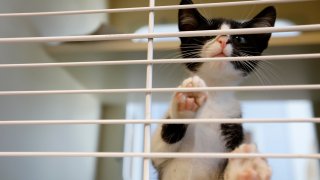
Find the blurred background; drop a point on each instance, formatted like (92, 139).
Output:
(271, 138)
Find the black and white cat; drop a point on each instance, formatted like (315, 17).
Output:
(213, 137)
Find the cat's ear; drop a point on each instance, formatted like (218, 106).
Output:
(266, 18)
(189, 19)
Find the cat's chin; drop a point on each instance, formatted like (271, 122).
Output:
(216, 55)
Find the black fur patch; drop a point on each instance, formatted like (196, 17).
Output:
(172, 133)
(233, 135)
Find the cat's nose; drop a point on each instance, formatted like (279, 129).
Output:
(222, 40)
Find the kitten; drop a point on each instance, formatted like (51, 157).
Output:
(213, 137)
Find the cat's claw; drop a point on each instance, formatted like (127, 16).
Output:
(186, 104)
(247, 169)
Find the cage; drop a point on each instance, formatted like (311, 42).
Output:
(85, 83)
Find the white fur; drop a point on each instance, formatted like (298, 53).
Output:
(202, 137)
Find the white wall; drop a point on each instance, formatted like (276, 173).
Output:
(42, 138)
(59, 25)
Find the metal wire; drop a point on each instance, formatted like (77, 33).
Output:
(159, 90)
(157, 121)
(315, 56)
(164, 61)
(148, 101)
(312, 27)
(157, 155)
(157, 8)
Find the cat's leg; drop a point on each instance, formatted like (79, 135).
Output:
(247, 169)
(184, 105)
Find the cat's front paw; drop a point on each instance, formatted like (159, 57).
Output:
(186, 104)
(247, 169)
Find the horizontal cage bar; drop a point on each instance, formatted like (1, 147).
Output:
(157, 8)
(157, 155)
(158, 90)
(313, 27)
(165, 61)
(158, 121)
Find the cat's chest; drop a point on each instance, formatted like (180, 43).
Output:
(208, 137)
(220, 107)
(203, 138)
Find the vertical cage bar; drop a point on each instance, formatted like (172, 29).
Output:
(147, 129)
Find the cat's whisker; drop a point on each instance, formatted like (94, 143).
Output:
(264, 73)
(204, 11)
(173, 54)
(196, 40)
(263, 63)
(190, 50)
(168, 70)
(195, 44)
(248, 52)
(270, 71)
(250, 12)
(253, 70)
(263, 78)
(171, 70)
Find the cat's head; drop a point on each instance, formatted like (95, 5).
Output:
(223, 73)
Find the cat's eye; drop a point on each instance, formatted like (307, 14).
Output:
(240, 39)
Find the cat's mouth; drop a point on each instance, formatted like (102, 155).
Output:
(220, 55)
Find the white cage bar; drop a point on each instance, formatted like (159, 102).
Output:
(312, 27)
(164, 61)
(159, 121)
(159, 90)
(154, 8)
(148, 104)
(157, 155)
